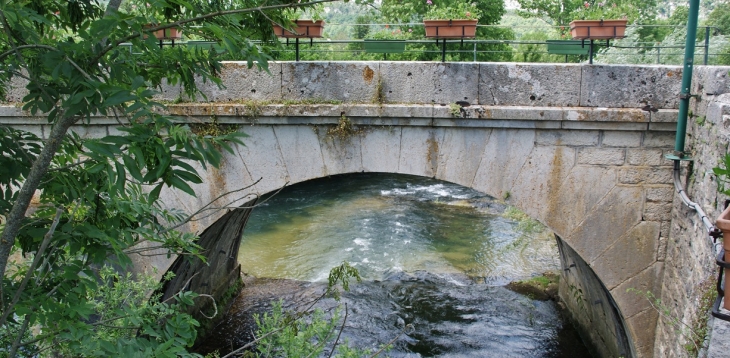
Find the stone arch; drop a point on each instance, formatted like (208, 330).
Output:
(565, 179)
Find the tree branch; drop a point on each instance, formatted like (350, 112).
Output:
(36, 260)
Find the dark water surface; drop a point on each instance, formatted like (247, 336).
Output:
(434, 258)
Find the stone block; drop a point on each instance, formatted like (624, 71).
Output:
(595, 114)
(601, 156)
(606, 126)
(169, 92)
(271, 167)
(458, 163)
(645, 175)
(713, 80)
(241, 83)
(572, 138)
(614, 215)
(301, 151)
(420, 150)
(629, 295)
(643, 327)
(430, 82)
(659, 139)
(632, 253)
(630, 86)
(35, 129)
(529, 84)
(654, 211)
(88, 131)
(340, 155)
(664, 193)
(16, 90)
(666, 228)
(381, 150)
(341, 81)
(497, 172)
(403, 110)
(621, 139)
(665, 116)
(576, 196)
(537, 188)
(663, 127)
(646, 157)
(514, 113)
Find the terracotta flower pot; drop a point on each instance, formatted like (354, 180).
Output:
(723, 223)
(304, 28)
(450, 29)
(172, 33)
(597, 29)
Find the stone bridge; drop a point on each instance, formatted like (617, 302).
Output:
(580, 148)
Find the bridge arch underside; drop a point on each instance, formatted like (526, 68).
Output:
(606, 193)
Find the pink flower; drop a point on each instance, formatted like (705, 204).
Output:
(586, 4)
(429, 2)
(410, 30)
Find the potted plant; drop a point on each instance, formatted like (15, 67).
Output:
(172, 33)
(302, 24)
(386, 41)
(599, 21)
(457, 21)
(597, 29)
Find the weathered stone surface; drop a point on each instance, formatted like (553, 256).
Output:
(659, 139)
(645, 175)
(610, 219)
(536, 189)
(712, 80)
(644, 157)
(578, 194)
(604, 126)
(270, 167)
(630, 293)
(529, 85)
(241, 82)
(420, 151)
(497, 172)
(624, 115)
(343, 81)
(301, 152)
(88, 131)
(515, 113)
(381, 150)
(457, 163)
(621, 139)
(630, 86)
(600, 156)
(340, 155)
(429, 82)
(567, 138)
(663, 193)
(631, 254)
(664, 116)
(642, 329)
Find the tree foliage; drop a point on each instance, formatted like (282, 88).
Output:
(562, 12)
(95, 200)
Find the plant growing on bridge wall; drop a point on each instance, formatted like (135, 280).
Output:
(344, 130)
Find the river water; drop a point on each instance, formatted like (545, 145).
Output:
(434, 258)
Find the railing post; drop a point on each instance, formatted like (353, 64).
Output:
(707, 44)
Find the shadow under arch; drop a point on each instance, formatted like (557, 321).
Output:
(602, 323)
(591, 306)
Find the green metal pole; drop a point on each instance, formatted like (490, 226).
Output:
(684, 95)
